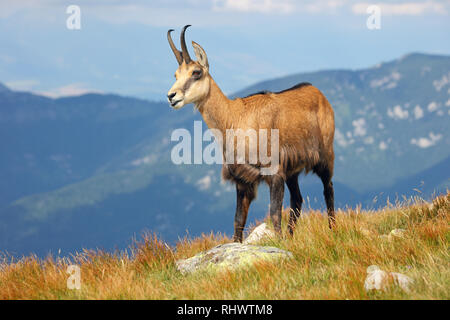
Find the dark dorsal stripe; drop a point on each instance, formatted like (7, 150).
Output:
(297, 86)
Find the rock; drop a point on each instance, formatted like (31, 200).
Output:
(259, 233)
(396, 233)
(378, 279)
(402, 281)
(230, 256)
(372, 268)
(399, 233)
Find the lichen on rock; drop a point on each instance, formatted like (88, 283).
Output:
(230, 256)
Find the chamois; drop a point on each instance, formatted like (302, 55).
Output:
(304, 119)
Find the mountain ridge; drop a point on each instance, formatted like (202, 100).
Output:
(70, 157)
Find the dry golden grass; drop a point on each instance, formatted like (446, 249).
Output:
(326, 265)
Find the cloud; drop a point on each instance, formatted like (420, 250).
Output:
(204, 183)
(278, 6)
(260, 6)
(322, 6)
(360, 127)
(427, 142)
(404, 8)
(74, 89)
(150, 159)
(9, 8)
(204, 12)
(327, 6)
(154, 13)
(397, 113)
(22, 85)
(432, 106)
(340, 138)
(159, 16)
(165, 13)
(418, 112)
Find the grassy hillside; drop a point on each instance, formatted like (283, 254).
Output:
(326, 264)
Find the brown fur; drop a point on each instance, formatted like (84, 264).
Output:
(303, 116)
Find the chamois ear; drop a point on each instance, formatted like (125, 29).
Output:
(201, 55)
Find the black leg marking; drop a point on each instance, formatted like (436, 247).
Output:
(328, 192)
(296, 201)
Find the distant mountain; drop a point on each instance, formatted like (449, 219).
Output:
(427, 182)
(3, 88)
(47, 143)
(95, 170)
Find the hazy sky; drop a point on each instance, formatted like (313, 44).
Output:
(122, 47)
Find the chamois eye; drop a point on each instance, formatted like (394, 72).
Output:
(196, 73)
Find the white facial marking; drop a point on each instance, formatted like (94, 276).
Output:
(186, 88)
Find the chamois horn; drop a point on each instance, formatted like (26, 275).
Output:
(176, 52)
(185, 52)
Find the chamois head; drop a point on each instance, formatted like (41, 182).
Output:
(192, 77)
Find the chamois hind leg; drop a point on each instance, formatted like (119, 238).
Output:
(325, 174)
(245, 193)
(296, 201)
(276, 201)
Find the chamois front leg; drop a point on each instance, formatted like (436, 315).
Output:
(244, 196)
(276, 201)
